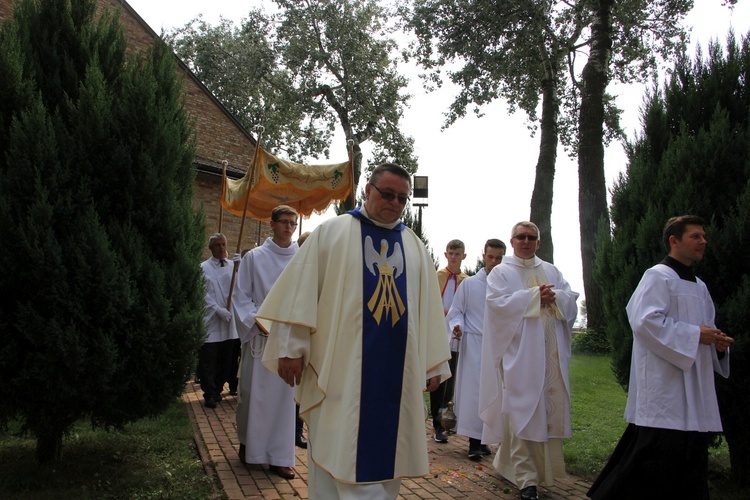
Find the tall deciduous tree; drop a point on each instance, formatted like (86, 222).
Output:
(626, 38)
(514, 50)
(242, 67)
(693, 156)
(524, 51)
(333, 62)
(99, 242)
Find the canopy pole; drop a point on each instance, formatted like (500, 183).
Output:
(260, 129)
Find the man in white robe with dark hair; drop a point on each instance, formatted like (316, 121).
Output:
(265, 412)
(524, 388)
(672, 407)
(465, 320)
(358, 343)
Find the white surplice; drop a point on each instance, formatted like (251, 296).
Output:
(467, 311)
(671, 373)
(218, 279)
(266, 411)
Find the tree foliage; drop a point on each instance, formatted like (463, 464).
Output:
(329, 62)
(527, 53)
(242, 67)
(693, 156)
(625, 39)
(100, 244)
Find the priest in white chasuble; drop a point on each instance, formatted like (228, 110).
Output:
(356, 324)
(524, 389)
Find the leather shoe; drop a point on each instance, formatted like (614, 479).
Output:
(285, 472)
(210, 403)
(485, 450)
(440, 437)
(301, 441)
(529, 493)
(241, 453)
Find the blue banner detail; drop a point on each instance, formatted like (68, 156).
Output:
(384, 334)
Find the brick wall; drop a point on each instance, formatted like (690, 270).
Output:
(219, 136)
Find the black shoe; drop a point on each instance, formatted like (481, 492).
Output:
(485, 450)
(210, 403)
(218, 397)
(301, 441)
(285, 472)
(475, 453)
(440, 437)
(241, 453)
(529, 493)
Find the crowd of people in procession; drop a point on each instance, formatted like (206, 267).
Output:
(355, 325)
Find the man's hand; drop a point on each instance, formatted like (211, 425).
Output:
(433, 383)
(290, 369)
(224, 314)
(715, 336)
(546, 294)
(457, 331)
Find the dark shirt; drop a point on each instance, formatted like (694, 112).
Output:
(684, 272)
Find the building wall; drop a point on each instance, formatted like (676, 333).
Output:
(219, 136)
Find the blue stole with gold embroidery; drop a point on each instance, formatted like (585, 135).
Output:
(384, 333)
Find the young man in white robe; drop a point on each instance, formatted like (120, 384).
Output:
(215, 356)
(672, 406)
(358, 344)
(524, 391)
(266, 410)
(465, 319)
(449, 278)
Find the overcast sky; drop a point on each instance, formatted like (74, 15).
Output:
(480, 170)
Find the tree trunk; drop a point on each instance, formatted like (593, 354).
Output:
(49, 447)
(541, 198)
(592, 191)
(351, 200)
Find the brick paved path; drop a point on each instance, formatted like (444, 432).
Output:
(452, 474)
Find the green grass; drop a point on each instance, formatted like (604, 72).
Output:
(597, 407)
(152, 458)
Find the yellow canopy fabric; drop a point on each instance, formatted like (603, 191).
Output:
(306, 188)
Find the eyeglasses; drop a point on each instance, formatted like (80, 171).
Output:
(286, 223)
(391, 196)
(522, 237)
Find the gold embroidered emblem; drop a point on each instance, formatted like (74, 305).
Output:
(385, 299)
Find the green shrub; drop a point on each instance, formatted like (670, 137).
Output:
(590, 342)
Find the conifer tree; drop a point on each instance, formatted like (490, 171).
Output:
(693, 157)
(100, 246)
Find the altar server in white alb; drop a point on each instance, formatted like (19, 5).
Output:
(672, 406)
(215, 356)
(465, 320)
(356, 323)
(265, 412)
(524, 389)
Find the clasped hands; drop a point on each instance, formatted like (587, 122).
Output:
(546, 294)
(715, 336)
